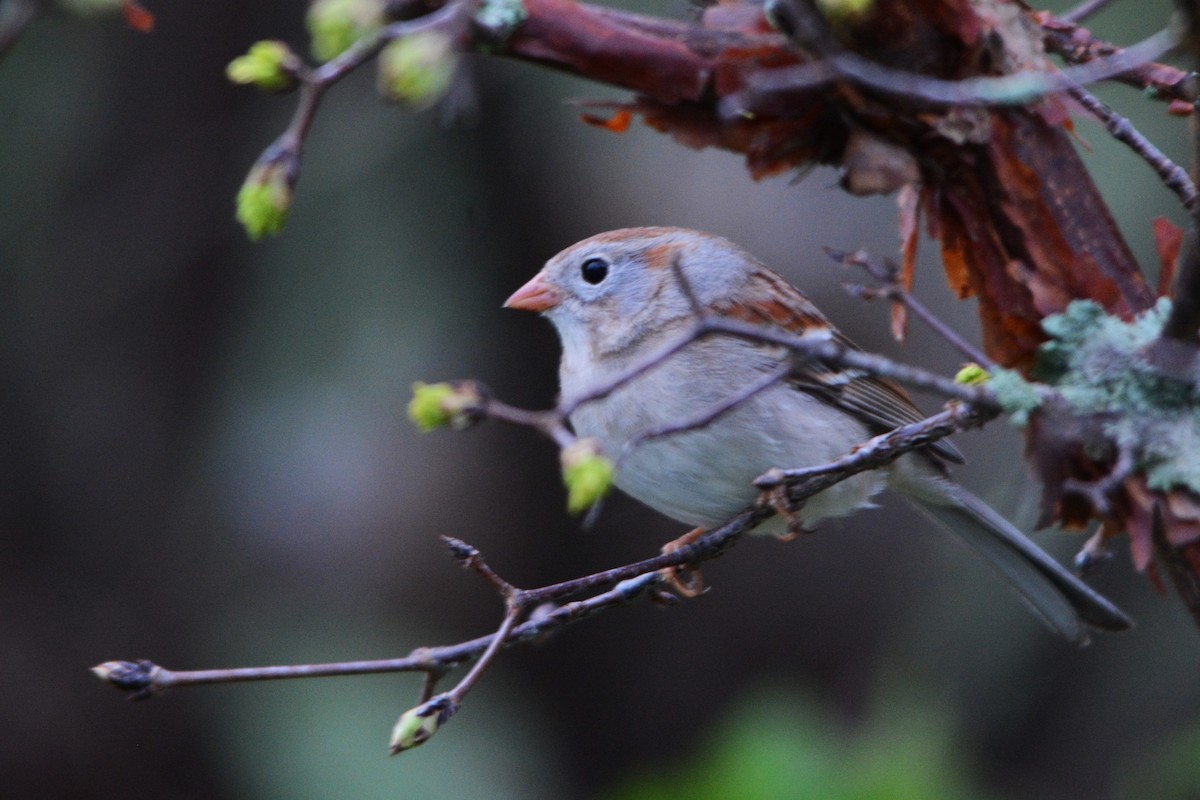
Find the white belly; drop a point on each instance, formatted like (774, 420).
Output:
(704, 477)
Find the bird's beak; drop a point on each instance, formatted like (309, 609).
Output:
(537, 295)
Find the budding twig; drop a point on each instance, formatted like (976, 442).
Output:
(464, 403)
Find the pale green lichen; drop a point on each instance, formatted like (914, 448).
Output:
(1018, 397)
(1097, 362)
(500, 18)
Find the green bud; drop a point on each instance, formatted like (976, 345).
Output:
(972, 375)
(334, 25)
(418, 725)
(435, 405)
(269, 65)
(587, 474)
(839, 10)
(265, 198)
(417, 70)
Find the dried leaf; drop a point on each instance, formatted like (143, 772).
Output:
(618, 122)
(1168, 238)
(137, 17)
(909, 202)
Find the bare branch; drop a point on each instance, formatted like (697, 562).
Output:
(888, 273)
(1101, 491)
(1082, 11)
(1076, 45)
(710, 414)
(877, 452)
(1121, 129)
(769, 87)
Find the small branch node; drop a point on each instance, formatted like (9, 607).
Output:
(470, 558)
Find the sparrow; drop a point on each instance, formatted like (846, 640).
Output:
(619, 298)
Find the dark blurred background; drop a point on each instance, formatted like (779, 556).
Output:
(205, 461)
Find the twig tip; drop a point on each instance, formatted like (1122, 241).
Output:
(461, 551)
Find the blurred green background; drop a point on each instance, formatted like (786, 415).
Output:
(205, 462)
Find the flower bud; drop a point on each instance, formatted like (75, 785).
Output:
(587, 473)
(334, 25)
(971, 375)
(841, 10)
(265, 198)
(269, 65)
(418, 725)
(417, 70)
(434, 405)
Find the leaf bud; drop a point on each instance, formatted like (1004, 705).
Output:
(270, 65)
(418, 725)
(587, 474)
(435, 405)
(972, 375)
(417, 70)
(334, 25)
(265, 199)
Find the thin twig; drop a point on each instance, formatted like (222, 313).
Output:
(1121, 129)
(837, 353)
(144, 678)
(604, 388)
(1082, 11)
(1099, 491)
(469, 558)
(499, 639)
(454, 17)
(874, 453)
(1005, 90)
(708, 415)
(887, 273)
(551, 423)
(1076, 45)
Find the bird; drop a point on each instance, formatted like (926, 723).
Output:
(619, 299)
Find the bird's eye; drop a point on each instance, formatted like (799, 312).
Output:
(594, 270)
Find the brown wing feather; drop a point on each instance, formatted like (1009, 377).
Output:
(881, 404)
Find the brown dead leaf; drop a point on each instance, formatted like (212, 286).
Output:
(618, 122)
(1168, 238)
(137, 17)
(909, 203)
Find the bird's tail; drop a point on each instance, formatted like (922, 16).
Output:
(1066, 604)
